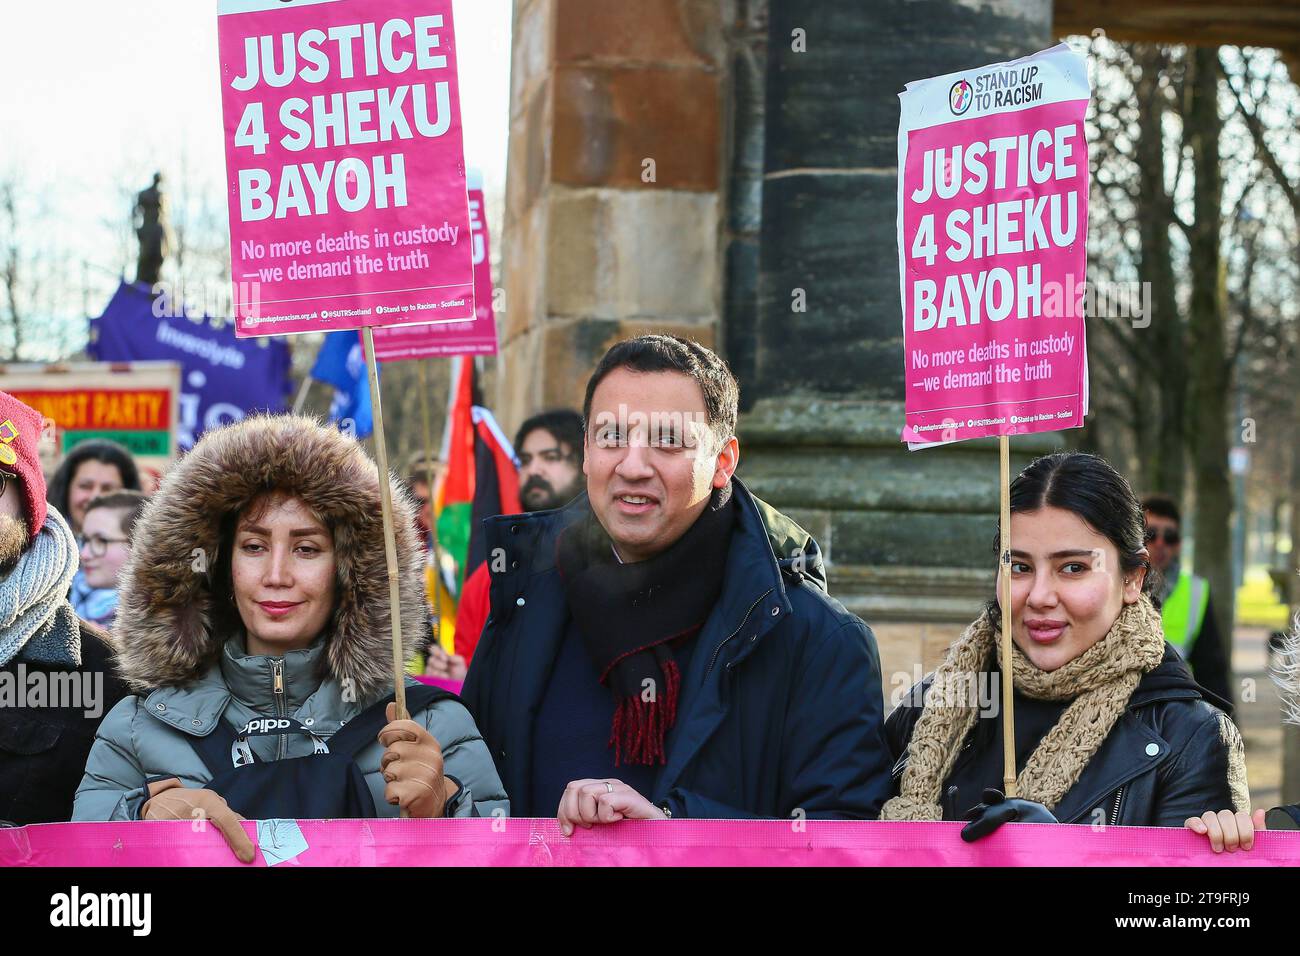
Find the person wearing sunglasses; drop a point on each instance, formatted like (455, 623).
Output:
(105, 546)
(1186, 608)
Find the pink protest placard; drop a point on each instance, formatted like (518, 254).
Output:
(665, 843)
(478, 337)
(345, 164)
(992, 249)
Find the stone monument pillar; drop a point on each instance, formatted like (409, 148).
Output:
(910, 535)
(613, 188)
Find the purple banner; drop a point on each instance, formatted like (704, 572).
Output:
(222, 379)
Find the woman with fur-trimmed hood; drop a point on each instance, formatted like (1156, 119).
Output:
(256, 600)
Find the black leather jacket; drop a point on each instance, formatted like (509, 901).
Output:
(1173, 754)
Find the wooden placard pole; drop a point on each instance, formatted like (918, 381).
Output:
(433, 516)
(301, 398)
(390, 540)
(1008, 716)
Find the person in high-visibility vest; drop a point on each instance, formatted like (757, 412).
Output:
(1185, 606)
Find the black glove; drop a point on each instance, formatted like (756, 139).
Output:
(1283, 818)
(997, 809)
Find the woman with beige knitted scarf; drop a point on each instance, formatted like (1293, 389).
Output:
(1110, 727)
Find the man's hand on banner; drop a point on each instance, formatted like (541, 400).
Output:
(171, 800)
(997, 809)
(587, 803)
(447, 666)
(412, 768)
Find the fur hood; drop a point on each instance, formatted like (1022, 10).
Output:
(165, 618)
(1285, 672)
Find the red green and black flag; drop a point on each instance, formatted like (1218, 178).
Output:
(481, 480)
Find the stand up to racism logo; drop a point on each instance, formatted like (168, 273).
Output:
(960, 97)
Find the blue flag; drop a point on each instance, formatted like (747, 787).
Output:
(341, 363)
(222, 378)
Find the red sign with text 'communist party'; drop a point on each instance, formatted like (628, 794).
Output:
(345, 164)
(992, 249)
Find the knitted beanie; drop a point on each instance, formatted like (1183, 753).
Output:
(20, 436)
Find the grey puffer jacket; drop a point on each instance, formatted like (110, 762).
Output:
(145, 738)
(180, 639)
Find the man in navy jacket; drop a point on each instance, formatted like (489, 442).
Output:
(664, 645)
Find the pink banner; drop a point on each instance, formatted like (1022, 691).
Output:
(676, 843)
(993, 229)
(345, 164)
(455, 686)
(457, 338)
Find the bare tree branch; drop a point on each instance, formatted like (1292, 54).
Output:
(11, 268)
(1256, 128)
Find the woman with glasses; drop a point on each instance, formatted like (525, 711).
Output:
(91, 470)
(1110, 727)
(105, 546)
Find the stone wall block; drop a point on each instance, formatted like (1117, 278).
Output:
(532, 52)
(665, 248)
(525, 277)
(609, 121)
(660, 32)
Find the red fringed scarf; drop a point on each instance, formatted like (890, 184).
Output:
(630, 615)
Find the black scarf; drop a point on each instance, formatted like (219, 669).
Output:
(628, 613)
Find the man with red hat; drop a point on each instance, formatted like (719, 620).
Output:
(56, 676)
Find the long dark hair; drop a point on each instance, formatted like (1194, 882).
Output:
(97, 449)
(1089, 487)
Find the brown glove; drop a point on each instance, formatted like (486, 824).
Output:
(412, 767)
(171, 800)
